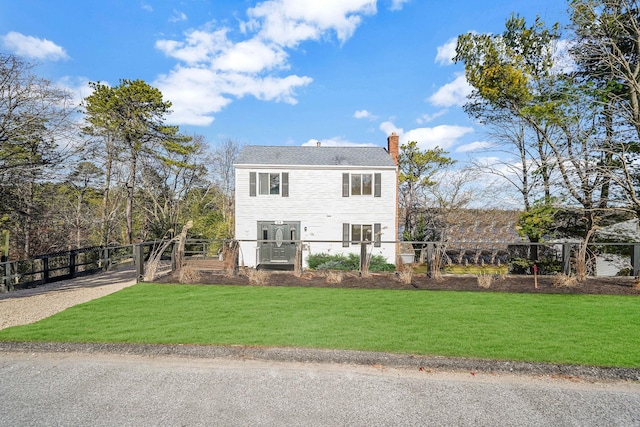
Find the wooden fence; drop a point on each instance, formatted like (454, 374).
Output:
(75, 263)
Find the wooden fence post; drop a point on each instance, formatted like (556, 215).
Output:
(566, 258)
(635, 259)
(429, 260)
(174, 258)
(9, 276)
(138, 254)
(105, 258)
(6, 269)
(72, 264)
(45, 269)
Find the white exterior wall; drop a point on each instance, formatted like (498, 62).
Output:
(315, 199)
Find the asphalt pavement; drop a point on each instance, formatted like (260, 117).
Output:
(107, 389)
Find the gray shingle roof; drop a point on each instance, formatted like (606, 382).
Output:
(314, 156)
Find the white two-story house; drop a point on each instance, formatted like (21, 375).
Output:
(329, 198)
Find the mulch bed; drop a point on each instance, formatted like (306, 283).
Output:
(509, 283)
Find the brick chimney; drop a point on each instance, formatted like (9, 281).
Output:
(392, 149)
(392, 146)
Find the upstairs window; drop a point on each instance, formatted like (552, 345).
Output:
(269, 184)
(361, 184)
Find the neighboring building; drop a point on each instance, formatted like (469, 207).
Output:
(330, 198)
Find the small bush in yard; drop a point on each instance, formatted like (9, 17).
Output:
(350, 262)
(333, 265)
(379, 263)
(318, 261)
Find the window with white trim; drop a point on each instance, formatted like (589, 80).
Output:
(361, 233)
(269, 184)
(358, 233)
(361, 184)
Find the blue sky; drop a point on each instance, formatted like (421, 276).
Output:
(278, 72)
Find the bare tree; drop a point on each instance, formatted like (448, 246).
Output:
(165, 188)
(37, 132)
(31, 108)
(222, 171)
(607, 53)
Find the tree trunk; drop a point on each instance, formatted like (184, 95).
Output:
(28, 220)
(78, 220)
(131, 182)
(608, 155)
(534, 249)
(104, 226)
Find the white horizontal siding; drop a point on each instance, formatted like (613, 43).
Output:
(315, 199)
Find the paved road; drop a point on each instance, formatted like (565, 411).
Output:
(133, 390)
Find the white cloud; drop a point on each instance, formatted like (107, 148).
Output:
(397, 4)
(389, 127)
(453, 93)
(215, 69)
(199, 46)
(146, 6)
(336, 141)
(474, 146)
(251, 56)
(289, 22)
(33, 47)
(197, 93)
(266, 89)
(426, 118)
(178, 16)
(447, 52)
(194, 94)
(364, 114)
(443, 136)
(563, 62)
(78, 87)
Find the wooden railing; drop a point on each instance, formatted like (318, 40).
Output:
(61, 266)
(32, 272)
(70, 264)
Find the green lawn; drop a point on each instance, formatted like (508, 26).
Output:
(581, 329)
